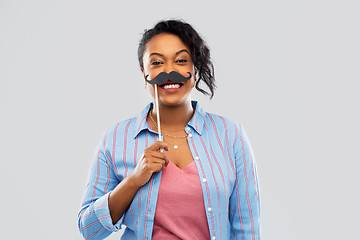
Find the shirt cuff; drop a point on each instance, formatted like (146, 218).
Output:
(102, 212)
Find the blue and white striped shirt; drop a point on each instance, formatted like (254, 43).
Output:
(226, 167)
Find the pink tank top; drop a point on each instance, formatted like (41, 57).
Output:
(180, 210)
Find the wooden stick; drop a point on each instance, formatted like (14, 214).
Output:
(158, 113)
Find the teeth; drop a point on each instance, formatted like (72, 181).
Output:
(168, 86)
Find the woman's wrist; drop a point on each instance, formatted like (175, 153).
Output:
(132, 181)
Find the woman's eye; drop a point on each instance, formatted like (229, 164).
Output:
(155, 63)
(182, 61)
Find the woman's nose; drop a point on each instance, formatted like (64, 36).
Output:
(169, 68)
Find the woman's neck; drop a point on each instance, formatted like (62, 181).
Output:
(174, 117)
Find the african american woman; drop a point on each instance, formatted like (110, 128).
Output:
(199, 182)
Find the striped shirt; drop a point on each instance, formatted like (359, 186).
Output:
(225, 163)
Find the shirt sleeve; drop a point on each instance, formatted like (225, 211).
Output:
(244, 200)
(94, 220)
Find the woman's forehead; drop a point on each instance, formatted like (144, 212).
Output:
(165, 44)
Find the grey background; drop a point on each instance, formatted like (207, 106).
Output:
(287, 70)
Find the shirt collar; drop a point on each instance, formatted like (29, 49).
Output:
(197, 121)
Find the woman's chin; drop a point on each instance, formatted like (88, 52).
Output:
(173, 100)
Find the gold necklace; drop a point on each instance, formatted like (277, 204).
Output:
(175, 143)
(175, 146)
(155, 125)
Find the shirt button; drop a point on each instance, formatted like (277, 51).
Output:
(188, 128)
(197, 158)
(213, 238)
(209, 209)
(204, 179)
(190, 135)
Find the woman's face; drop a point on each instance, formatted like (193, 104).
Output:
(165, 53)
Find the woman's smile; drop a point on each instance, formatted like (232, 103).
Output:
(170, 87)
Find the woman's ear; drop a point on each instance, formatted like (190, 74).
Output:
(145, 83)
(142, 70)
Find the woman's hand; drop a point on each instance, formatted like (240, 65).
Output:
(152, 160)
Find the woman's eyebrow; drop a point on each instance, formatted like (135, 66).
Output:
(182, 50)
(177, 53)
(155, 53)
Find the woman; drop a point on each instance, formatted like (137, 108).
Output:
(200, 182)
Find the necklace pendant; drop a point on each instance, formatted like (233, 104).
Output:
(176, 146)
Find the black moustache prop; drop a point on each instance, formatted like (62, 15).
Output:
(163, 77)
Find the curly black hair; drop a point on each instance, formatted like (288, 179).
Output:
(200, 53)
